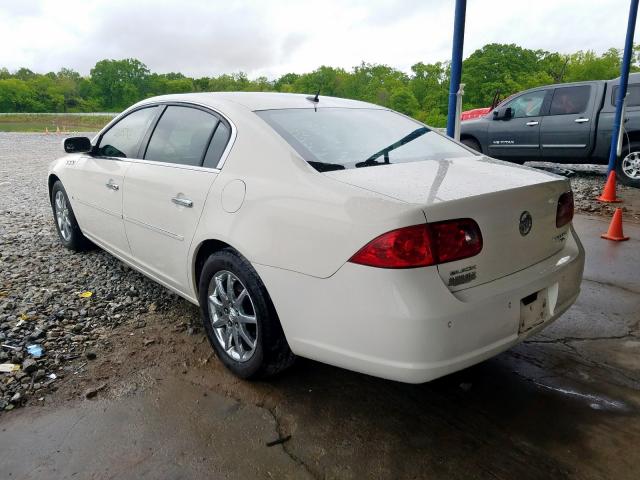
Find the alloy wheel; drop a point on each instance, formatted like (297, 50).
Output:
(631, 165)
(232, 316)
(62, 215)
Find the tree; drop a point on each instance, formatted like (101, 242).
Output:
(120, 82)
(422, 93)
(403, 100)
(17, 96)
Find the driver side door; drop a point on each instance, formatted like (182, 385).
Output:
(99, 180)
(518, 138)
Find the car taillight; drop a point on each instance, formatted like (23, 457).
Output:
(456, 239)
(564, 214)
(422, 245)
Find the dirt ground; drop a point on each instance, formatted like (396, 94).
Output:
(565, 404)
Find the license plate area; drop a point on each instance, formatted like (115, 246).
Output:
(534, 310)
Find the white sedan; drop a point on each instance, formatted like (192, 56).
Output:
(326, 228)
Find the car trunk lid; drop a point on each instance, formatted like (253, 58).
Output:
(514, 206)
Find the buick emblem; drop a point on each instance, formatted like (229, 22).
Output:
(526, 222)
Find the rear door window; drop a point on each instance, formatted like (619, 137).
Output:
(123, 139)
(570, 100)
(633, 95)
(217, 146)
(181, 136)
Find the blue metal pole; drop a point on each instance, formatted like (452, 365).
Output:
(456, 63)
(624, 80)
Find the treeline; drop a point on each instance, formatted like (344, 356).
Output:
(112, 85)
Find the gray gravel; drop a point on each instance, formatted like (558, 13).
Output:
(41, 282)
(40, 301)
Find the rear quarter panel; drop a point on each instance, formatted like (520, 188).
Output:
(293, 217)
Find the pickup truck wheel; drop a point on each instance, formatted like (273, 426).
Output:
(471, 143)
(628, 166)
(239, 318)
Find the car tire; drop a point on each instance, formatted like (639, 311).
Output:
(225, 320)
(628, 165)
(65, 220)
(471, 143)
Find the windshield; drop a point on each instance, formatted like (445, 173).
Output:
(338, 138)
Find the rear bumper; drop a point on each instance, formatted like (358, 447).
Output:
(406, 325)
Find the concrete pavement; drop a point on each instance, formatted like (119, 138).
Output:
(564, 405)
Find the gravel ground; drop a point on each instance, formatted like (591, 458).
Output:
(44, 299)
(42, 284)
(587, 182)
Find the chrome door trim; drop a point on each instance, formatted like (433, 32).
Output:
(140, 223)
(127, 259)
(564, 145)
(93, 205)
(513, 146)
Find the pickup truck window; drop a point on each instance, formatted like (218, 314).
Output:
(527, 105)
(570, 100)
(633, 95)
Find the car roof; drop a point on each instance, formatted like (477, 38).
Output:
(260, 100)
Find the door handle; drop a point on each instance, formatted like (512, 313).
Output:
(532, 123)
(581, 120)
(112, 185)
(183, 202)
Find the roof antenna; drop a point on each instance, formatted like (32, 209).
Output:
(315, 98)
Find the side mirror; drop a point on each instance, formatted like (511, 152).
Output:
(77, 145)
(503, 113)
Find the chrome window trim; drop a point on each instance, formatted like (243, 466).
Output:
(223, 158)
(160, 164)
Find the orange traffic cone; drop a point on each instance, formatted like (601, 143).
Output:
(609, 193)
(615, 232)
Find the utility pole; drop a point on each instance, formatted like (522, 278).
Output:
(618, 121)
(456, 65)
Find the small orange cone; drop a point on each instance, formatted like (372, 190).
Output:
(609, 193)
(615, 232)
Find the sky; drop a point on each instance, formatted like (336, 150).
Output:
(273, 37)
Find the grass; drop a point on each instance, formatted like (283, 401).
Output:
(41, 122)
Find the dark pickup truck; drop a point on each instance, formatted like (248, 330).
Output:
(565, 123)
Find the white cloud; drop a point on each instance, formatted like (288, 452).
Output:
(199, 37)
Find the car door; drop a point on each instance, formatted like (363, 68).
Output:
(98, 180)
(518, 138)
(166, 191)
(565, 132)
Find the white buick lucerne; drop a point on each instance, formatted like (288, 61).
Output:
(326, 228)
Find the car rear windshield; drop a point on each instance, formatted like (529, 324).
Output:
(339, 138)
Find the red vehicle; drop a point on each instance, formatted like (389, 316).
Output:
(475, 113)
